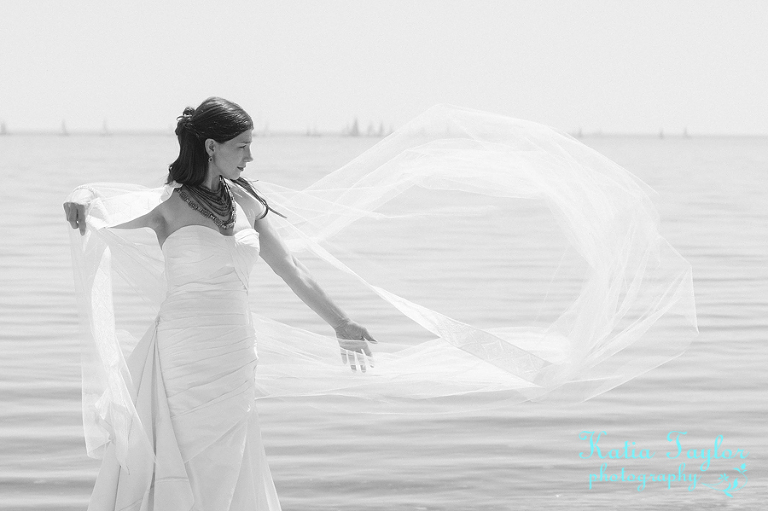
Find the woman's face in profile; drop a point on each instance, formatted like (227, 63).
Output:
(231, 157)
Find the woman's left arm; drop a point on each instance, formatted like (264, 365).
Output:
(350, 335)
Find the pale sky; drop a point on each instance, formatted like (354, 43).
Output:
(612, 65)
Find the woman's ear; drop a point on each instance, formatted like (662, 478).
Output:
(210, 145)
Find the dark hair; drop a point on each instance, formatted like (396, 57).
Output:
(217, 119)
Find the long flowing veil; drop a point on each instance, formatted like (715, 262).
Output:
(569, 239)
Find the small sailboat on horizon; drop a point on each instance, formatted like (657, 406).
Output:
(354, 131)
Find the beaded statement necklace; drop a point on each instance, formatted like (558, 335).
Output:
(217, 205)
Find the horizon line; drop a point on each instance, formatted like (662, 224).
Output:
(316, 134)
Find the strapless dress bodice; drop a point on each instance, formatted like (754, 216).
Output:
(207, 274)
(196, 255)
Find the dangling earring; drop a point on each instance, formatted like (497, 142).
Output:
(210, 158)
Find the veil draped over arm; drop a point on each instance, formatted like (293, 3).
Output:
(618, 303)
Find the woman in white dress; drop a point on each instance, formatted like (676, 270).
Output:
(192, 375)
(176, 424)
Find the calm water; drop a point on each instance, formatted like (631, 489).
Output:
(713, 203)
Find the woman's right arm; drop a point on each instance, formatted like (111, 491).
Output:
(75, 213)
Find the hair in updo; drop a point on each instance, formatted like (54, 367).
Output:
(215, 118)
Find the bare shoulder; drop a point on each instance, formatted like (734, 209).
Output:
(172, 214)
(169, 208)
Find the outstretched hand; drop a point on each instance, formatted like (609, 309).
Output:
(353, 340)
(75, 213)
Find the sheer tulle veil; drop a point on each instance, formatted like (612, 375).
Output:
(569, 238)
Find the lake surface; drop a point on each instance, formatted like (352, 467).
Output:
(713, 204)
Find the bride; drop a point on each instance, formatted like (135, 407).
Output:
(193, 373)
(598, 295)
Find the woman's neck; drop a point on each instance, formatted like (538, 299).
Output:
(212, 181)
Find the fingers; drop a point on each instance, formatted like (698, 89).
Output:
(368, 337)
(351, 358)
(69, 213)
(360, 357)
(361, 360)
(75, 214)
(355, 351)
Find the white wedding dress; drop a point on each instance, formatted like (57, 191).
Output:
(610, 299)
(193, 378)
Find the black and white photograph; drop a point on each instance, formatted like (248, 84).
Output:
(337, 255)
